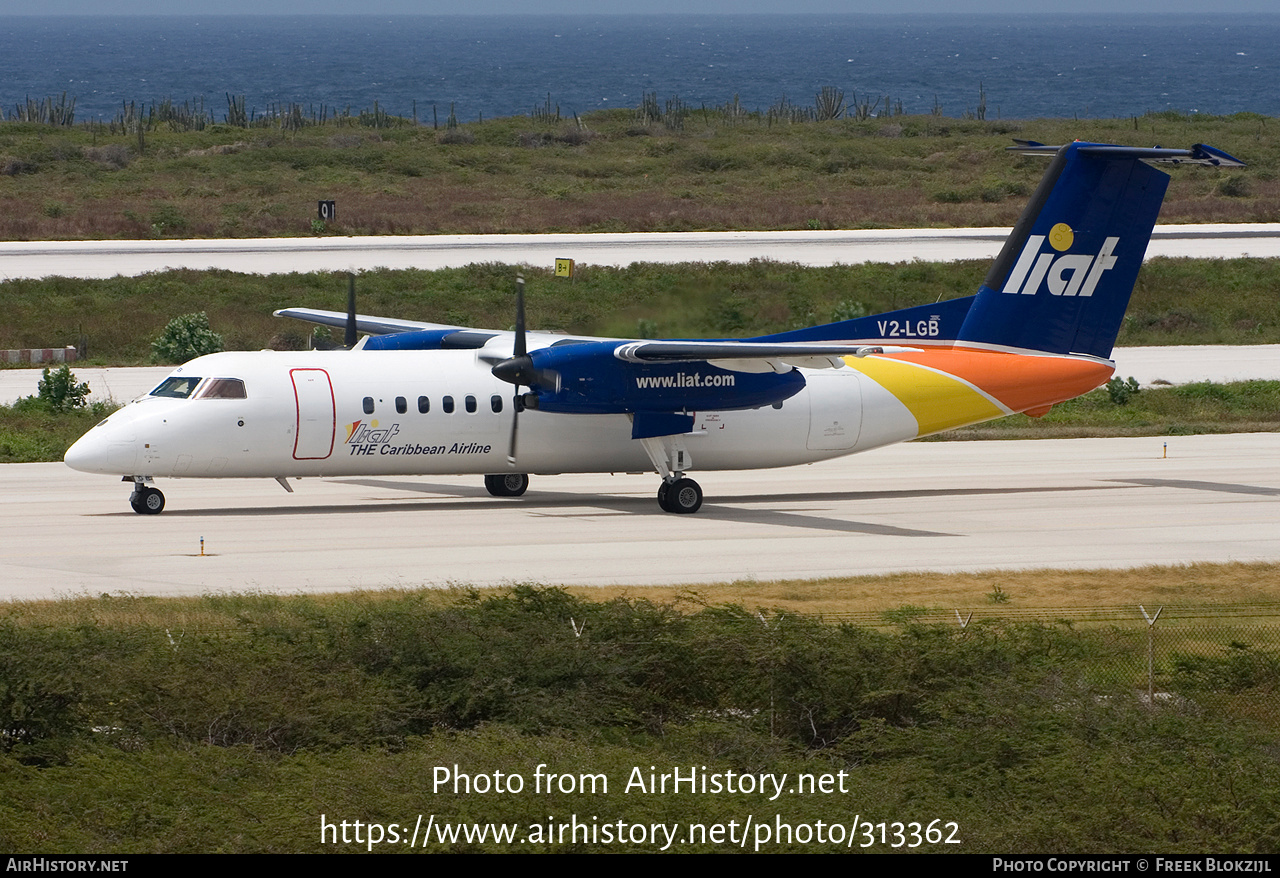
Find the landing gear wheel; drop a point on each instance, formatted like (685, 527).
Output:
(664, 491)
(146, 500)
(683, 496)
(506, 484)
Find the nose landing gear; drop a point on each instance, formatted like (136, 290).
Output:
(145, 499)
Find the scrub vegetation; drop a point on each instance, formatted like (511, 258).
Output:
(43, 426)
(32, 434)
(232, 723)
(609, 171)
(1175, 301)
(1238, 407)
(185, 337)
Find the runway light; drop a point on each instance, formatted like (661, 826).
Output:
(202, 547)
(1166, 451)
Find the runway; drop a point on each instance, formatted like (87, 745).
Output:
(922, 506)
(95, 259)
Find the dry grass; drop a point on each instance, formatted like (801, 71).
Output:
(501, 177)
(1030, 589)
(1041, 430)
(1024, 591)
(204, 613)
(1193, 584)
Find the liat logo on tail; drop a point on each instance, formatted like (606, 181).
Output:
(1070, 274)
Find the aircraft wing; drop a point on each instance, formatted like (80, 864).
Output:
(747, 356)
(364, 323)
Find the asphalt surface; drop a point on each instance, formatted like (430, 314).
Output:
(1081, 503)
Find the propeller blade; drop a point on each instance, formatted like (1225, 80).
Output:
(518, 369)
(520, 349)
(515, 425)
(515, 369)
(349, 340)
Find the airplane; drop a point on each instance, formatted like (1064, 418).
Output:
(414, 398)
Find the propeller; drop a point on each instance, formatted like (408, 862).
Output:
(519, 370)
(349, 339)
(350, 333)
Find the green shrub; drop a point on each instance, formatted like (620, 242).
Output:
(1235, 186)
(185, 338)
(849, 309)
(1121, 391)
(59, 391)
(167, 218)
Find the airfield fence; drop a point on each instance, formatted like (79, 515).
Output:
(1216, 656)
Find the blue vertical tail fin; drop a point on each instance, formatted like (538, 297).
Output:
(1062, 282)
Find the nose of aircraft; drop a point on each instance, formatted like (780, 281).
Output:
(103, 450)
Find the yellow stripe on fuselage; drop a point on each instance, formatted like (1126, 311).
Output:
(936, 400)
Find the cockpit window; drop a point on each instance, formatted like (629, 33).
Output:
(176, 386)
(222, 388)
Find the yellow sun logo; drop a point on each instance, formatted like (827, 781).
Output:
(1061, 236)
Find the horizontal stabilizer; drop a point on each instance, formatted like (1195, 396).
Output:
(1200, 154)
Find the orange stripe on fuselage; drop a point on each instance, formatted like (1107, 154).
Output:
(952, 387)
(1019, 381)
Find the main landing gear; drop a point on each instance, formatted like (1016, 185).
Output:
(506, 484)
(677, 493)
(145, 499)
(682, 496)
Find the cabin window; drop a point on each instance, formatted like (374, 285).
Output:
(495, 403)
(222, 388)
(176, 387)
(424, 405)
(368, 405)
(447, 405)
(471, 405)
(402, 405)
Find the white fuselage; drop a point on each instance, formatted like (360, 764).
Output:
(307, 414)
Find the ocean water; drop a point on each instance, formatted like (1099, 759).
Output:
(1028, 66)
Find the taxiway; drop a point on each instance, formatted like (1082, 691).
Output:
(95, 259)
(921, 506)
